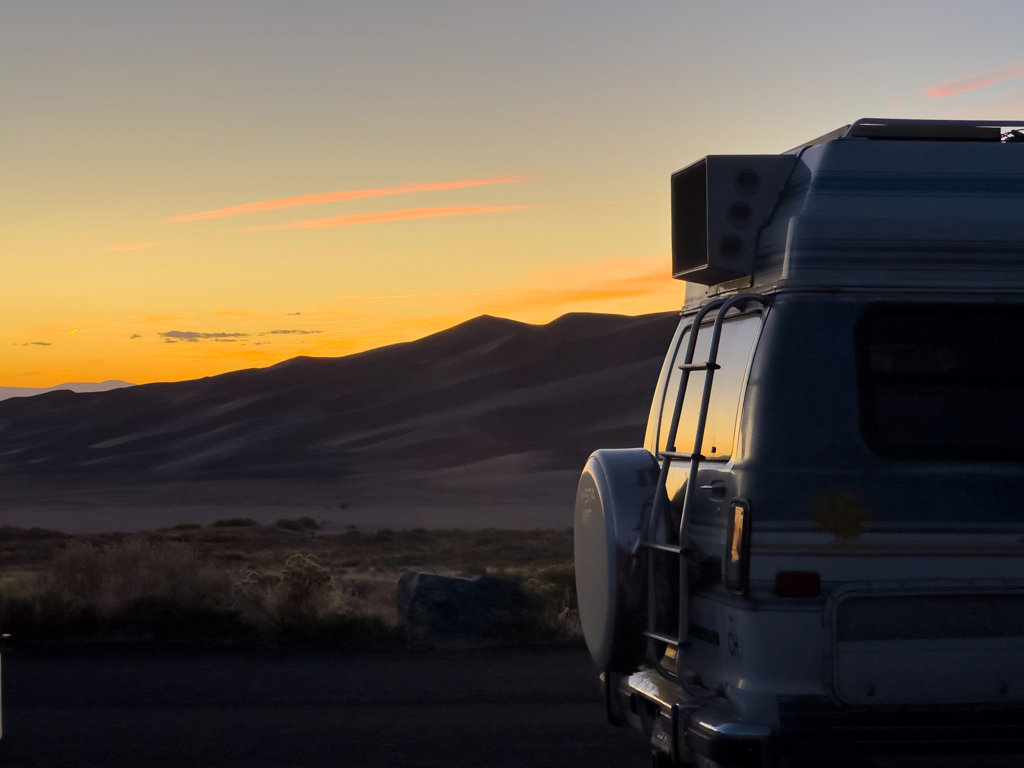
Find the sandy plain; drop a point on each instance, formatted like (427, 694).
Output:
(499, 493)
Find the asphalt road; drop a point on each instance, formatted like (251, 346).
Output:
(502, 707)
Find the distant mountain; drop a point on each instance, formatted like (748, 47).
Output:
(71, 386)
(486, 388)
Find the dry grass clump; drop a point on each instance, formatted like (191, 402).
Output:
(111, 577)
(131, 590)
(239, 582)
(300, 594)
(554, 588)
(305, 602)
(234, 522)
(299, 525)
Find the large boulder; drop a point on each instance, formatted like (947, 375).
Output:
(454, 606)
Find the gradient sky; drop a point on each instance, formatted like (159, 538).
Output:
(198, 187)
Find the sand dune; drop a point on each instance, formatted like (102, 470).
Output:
(512, 399)
(73, 386)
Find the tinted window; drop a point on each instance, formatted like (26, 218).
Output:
(733, 355)
(654, 417)
(942, 382)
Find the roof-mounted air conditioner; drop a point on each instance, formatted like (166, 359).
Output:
(718, 206)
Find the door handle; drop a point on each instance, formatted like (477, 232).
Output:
(716, 490)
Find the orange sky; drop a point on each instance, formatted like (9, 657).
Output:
(191, 188)
(195, 294)
(177, 345)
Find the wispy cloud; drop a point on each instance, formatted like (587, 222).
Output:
(174, 336)
(268, 333)
(335, 197)
(141, 246)
(383, 216)
(135, 336)
(36, 344)
(976, 80)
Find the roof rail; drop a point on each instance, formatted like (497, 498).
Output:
(838, 133)
(920, 130)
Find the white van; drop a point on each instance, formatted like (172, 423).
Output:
(819, 551)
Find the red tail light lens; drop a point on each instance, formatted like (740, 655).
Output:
(797, 584)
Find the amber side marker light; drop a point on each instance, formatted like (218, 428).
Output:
(736, 565)
(797, 584)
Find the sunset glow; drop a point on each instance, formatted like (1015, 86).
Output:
(186, 183)
(204, 343)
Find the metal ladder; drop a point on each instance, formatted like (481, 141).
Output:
(662, 505)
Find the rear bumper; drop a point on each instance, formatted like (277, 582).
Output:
(688, 730)
(710, 734)
(722, 738)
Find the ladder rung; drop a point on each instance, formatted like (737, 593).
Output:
(677, 455)
(668, 639)
(699, 367)
(664, 547)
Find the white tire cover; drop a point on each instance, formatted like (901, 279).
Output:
(613, 501)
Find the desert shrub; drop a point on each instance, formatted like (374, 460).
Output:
(300, 594)
(306, 586)
(301, 524)
(108, 578)
(238, 582)
(234, 522)
(553, 598)
(129, 590)
(367, 597)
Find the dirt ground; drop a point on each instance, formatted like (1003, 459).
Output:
(502, 493)
(498, 707)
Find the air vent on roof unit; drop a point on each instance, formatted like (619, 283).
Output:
(718, 206)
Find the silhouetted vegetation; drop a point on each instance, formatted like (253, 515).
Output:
(241, 583)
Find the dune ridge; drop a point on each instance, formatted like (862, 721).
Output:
(486, 388)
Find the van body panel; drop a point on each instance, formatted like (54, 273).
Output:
(900, 214)
(923, 642)
(822, 501)
(870, 419)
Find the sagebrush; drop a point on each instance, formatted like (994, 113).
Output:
(252, 584)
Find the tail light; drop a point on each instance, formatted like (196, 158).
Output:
(736, 564)
(797, 584)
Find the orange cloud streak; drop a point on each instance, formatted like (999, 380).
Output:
(402, 215)
(976, 80)
(335, 197)
(382, 216)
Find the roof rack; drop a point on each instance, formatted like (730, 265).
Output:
(917, 130)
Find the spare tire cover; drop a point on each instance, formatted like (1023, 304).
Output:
(613, 501)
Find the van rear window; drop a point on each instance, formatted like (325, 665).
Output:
(942, 381)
